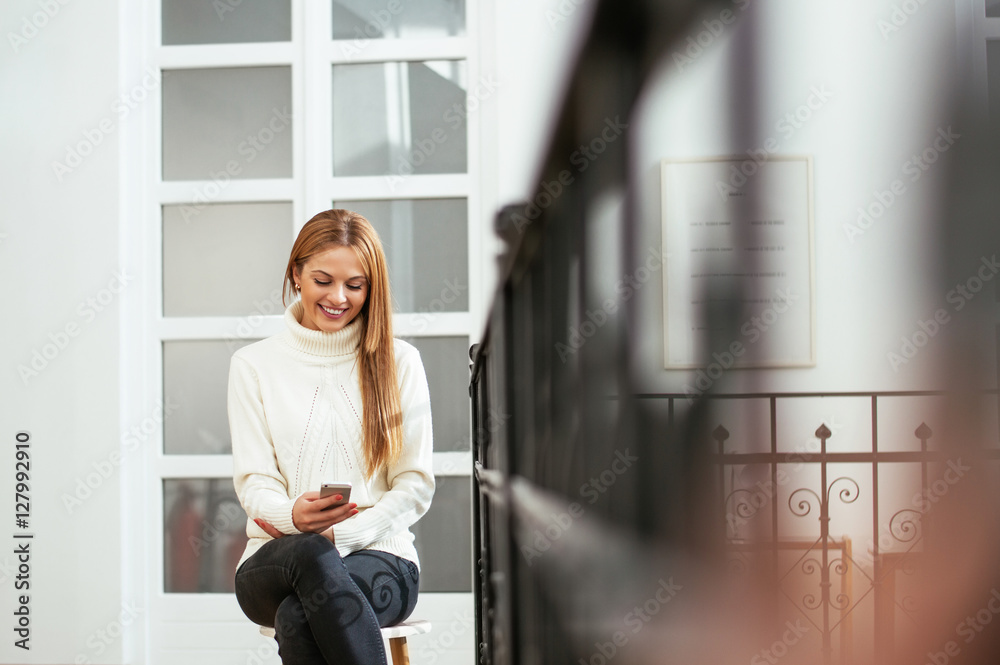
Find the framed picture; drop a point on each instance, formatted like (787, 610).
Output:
(738, 285)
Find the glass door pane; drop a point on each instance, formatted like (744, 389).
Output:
(204, 535)
(446, 361)
(225, 259)
(398, 19)
(232, 122)
(196, 386)
(226, 22)
(443, 537)
(399, 118)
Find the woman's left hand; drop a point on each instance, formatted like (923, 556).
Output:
(274, 533)
(270, 530)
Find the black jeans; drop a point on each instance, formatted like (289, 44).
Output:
(325, 609)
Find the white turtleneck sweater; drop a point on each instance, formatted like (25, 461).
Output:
(296, 422)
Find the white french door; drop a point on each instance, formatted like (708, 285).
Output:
(267, 112)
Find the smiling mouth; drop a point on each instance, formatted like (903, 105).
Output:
(333, 312)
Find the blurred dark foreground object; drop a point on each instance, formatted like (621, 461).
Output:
(613, 526)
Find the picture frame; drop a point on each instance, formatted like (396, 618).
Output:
(738, 229)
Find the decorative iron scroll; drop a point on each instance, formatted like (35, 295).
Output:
(824, 559)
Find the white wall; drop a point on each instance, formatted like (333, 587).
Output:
(58, 250)
(536, 46)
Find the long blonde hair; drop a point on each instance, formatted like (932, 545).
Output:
(383, 418)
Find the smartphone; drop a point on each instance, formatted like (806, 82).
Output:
(329, 489)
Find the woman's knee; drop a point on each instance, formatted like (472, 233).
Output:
(311, 552)
(312, 544)
(317, 568)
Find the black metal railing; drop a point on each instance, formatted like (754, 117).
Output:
(586, 505)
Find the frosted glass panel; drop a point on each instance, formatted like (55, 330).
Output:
(992, 8)
(226, 22)
(406, 19)
(426, 245)
(195, 386)
(225, 259)
(204, 535)
(399, 118)
(444, 537)
(446, 361)
(227, 123)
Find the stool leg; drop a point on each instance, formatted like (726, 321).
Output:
(400, 652)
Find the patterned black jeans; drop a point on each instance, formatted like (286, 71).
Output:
(325, 609)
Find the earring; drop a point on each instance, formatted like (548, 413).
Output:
(297, 287)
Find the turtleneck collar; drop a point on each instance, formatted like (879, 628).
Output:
(315, 342)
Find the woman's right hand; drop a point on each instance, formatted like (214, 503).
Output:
(310, 513)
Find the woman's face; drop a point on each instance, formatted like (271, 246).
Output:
(333, 289)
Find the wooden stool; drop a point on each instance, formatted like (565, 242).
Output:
(398, 652)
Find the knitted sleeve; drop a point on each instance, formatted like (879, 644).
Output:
(411, 478)
(261, 488)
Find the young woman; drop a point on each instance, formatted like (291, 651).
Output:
(332, 398)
